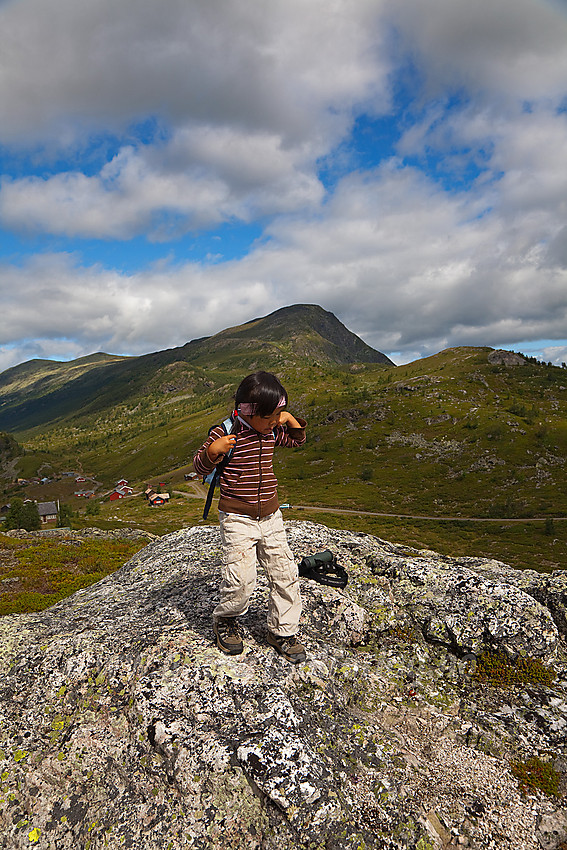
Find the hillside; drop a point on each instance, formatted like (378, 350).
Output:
(450, 435)
(41, 377)
(40, 393)
(466, 433)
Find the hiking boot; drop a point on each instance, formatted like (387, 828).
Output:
(227, 633)
(289, 647)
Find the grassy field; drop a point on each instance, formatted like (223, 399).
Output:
(534, 546)
(35, 573)
(540, 546)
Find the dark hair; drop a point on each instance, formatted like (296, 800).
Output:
(262, 389)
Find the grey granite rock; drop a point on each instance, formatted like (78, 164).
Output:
(122, 726)
(501, 357)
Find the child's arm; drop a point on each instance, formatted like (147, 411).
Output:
(218, 448)
(290, 431)
(212, 451)
(286, 418)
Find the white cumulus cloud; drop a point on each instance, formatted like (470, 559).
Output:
(444, 225)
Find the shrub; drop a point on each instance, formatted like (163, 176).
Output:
(66, 514)
(495, 668)
(535, 774)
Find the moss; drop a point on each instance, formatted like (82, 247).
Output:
(495, 668)
(536, 775)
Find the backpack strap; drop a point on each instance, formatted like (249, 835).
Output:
(229, 427)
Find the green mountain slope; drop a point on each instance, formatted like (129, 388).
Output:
(41, 393)
(45, 375)
(451, 435)
(36, 392)
(299, 331)
(459, 434)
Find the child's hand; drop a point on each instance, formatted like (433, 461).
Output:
(286, 418)
(221, 446)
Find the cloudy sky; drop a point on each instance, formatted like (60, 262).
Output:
(174, 167)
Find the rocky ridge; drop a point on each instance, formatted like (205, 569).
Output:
(122, 726)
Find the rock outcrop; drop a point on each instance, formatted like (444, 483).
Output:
(501, 357)
(123, 727)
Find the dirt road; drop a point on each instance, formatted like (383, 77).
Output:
(200, 492)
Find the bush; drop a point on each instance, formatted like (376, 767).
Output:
(535, 774)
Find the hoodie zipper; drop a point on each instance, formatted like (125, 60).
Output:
(260, 475)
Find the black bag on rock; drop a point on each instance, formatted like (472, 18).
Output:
(323, 567)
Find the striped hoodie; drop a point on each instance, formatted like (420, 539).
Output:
(248, 484)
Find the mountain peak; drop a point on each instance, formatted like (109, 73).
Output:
(310, 331)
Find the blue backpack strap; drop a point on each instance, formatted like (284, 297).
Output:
(229, 427)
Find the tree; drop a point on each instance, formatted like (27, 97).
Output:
(14, 515)
(66, 514)
(22, 515)
(30, 517)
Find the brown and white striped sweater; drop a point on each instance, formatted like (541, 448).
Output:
(248, 485)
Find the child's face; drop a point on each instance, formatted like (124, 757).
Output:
(265, 424)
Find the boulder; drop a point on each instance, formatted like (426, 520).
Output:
(501, 357)
(122, 726)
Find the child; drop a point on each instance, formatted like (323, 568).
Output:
(251, 523)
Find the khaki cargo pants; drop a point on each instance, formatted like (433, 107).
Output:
(247, 541)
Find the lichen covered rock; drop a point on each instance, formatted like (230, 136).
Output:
(123, 726)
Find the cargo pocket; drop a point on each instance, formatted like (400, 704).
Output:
(233, 567)
(238, 573)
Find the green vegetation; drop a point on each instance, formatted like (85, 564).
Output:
(523, 545)
(537, 775)
(22, 515)
(35, 575)
(9, 448)
(135, 512)
(66, 515)
(494, 668)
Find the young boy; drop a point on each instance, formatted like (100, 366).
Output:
(251, 523)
